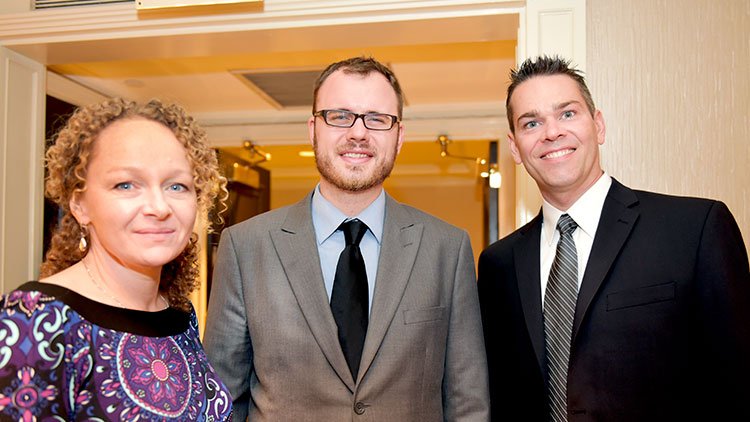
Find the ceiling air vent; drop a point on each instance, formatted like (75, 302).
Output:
(52, 4)
(282, 88)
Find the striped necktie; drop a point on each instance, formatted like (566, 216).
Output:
(559, 308)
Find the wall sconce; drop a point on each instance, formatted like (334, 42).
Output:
(492, 174)
(257, 155)
(443, 140)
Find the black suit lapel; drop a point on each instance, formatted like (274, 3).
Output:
(618, 218)
(526, 257)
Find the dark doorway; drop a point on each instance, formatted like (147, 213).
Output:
(249, 195)
(57, 114)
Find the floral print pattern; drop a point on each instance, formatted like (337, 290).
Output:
(155, 370)
(55, 363)
(26, 395)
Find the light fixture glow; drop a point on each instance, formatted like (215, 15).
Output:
(496, 179)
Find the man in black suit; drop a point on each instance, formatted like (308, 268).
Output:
(660, 311)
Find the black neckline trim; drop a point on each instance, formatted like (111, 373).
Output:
(167, 322)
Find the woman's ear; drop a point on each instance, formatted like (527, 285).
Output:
(78, 208)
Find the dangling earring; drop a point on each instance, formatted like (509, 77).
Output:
(83, 244)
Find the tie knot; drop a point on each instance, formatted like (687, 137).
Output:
(353, 230)
(566, 225)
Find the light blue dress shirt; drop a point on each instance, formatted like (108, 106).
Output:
(326, 220)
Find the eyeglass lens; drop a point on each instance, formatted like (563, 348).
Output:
(343, 118)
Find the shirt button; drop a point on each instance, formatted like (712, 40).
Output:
(359, 408)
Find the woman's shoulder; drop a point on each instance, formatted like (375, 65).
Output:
(32, 318)
(28, 299)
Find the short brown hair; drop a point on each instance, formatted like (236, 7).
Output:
(67, 164)
(361, 66)
(545, 66)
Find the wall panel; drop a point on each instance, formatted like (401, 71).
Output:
(671, 78)
(21, 168)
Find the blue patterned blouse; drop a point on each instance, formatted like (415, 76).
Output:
(66, 357)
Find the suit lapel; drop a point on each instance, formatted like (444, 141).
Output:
(526, 257)
(298, 252)
(400, 243)
(615, 224)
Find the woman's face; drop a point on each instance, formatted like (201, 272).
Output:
(140, 201)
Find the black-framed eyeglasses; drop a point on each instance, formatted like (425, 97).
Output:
(346, 119)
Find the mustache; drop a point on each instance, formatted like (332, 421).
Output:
(362, 144)
(352, 144)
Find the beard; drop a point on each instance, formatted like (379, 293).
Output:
(360, 180)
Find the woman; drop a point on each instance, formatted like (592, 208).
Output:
(108, 332)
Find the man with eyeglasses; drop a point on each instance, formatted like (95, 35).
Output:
(348, 305)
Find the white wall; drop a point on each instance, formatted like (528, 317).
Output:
(21, 168)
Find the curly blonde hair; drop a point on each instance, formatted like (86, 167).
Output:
(67, 164)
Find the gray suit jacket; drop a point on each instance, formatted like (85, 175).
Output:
(273, 340)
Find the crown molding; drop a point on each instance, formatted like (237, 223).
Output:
(122, 20)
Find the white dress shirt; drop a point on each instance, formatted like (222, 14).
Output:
(586, 212)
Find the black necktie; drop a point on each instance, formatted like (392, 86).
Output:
(349, 299)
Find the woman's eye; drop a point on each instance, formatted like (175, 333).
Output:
(178, 187)
(124, 186)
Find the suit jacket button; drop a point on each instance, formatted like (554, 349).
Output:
(359, 408)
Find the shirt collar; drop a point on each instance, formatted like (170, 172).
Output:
(586, 211)
(327, 218)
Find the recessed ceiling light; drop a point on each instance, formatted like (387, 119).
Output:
(307, 154)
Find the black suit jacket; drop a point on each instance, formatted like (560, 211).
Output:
(661, 329)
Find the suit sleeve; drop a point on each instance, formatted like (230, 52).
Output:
(227, 339)
(465, 388)
(723, 317)
(488, 304)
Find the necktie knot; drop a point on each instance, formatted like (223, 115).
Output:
(566, 225)
(353, 230)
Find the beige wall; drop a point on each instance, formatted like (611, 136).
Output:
(460, 205)
(671, 78)
(15, 6)
(289, 194)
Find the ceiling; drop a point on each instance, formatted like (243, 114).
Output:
(438, 61)
(453, 71)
